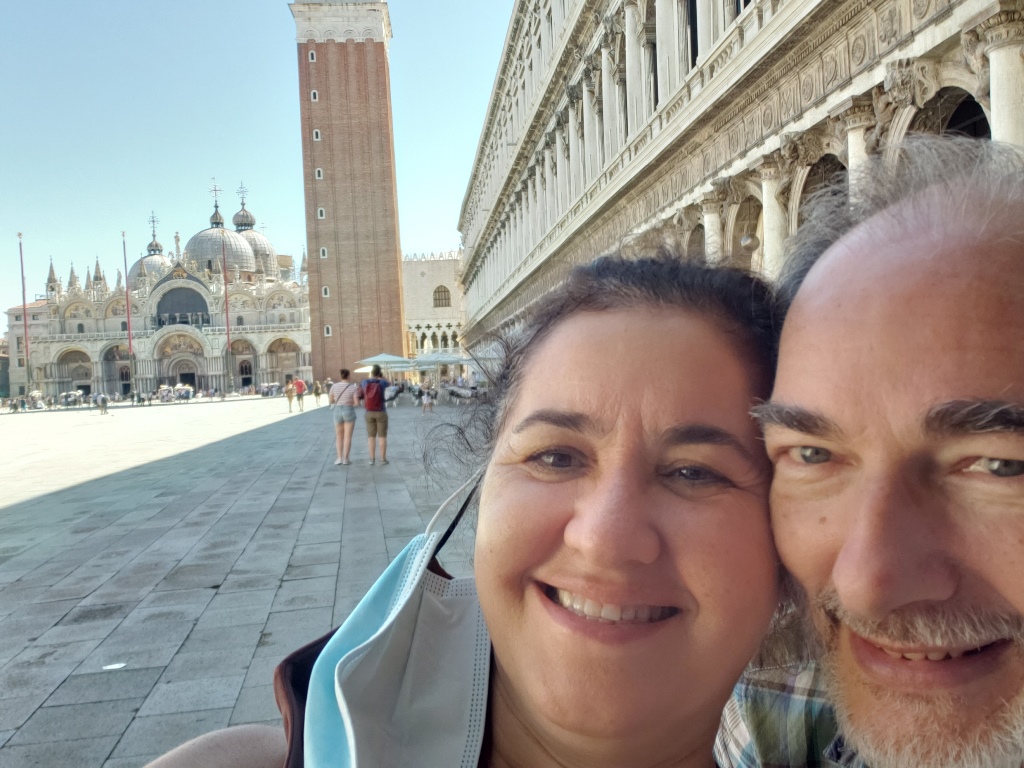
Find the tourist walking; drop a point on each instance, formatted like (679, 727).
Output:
(289, 391)
(371, 393)
(300, 391)
(427, 400)
(317, 391)
(342, 398)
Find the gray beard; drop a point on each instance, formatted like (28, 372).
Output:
(996, 743)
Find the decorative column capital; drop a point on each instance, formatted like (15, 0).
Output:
(769, 167)
(1003, 28)
(856, 112)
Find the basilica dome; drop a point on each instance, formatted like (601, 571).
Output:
(206, 247)
(263, 250)
(153, 264)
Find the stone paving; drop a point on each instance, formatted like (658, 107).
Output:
(193, 546)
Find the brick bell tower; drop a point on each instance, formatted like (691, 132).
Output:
(348, 160)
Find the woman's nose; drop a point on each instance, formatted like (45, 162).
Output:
(612, 524)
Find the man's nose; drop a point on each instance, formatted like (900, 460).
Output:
(613, 524)
(896, 549)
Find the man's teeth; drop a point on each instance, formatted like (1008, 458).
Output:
(611, 614)
(930, 656)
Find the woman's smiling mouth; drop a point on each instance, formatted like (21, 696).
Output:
(608, 613)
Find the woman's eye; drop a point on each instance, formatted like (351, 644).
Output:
(998, 467)
(809, 454)
(695, 475)
(554, 459)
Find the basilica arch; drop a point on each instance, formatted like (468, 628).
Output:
(73, 371)
(116, 368)
(284, 356)
(182, 356)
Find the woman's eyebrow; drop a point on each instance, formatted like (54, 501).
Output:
(706, 434)
(577, 422)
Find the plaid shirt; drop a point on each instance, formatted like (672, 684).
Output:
(781, 718)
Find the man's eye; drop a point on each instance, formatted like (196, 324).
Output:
(809, 454)
(998, 467)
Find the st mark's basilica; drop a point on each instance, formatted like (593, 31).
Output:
(180, 325)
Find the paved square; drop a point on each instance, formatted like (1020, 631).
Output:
(192, 546)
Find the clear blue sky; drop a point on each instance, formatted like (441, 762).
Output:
(117, 108)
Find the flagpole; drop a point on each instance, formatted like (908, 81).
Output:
(128, 313)
(227, 314)
(24, 317)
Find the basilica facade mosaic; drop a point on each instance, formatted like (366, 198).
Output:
(704, 125)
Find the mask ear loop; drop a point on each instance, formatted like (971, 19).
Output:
(473, 481)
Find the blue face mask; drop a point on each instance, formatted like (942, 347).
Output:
(404, 680)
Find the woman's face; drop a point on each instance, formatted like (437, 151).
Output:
(624, 560)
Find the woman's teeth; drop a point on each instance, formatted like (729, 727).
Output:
(612, 614)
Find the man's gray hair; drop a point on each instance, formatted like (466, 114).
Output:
(933, 178)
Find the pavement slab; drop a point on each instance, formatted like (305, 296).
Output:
(187, 549)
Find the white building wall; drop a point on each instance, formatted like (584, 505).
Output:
(711, 126)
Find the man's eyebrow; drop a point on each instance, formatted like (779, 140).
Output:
(577, 422)
(966, 417)
(795, 418)
(705, 434)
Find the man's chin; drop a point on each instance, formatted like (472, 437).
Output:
(899, 729)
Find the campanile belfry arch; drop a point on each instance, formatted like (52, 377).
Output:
(354, 256)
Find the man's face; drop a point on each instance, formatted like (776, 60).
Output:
(896, 429)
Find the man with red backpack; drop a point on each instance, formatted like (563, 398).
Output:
(371, 392)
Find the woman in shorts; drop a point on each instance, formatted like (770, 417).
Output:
(343, 402)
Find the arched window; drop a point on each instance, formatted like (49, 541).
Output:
(442, 297)
(81, 328)
(245, 368)
(321, 213)
(239, 320)
(323, 253)
(326, 292)
(327, 330)
(319, 173)
(314, 96)
(124, 325)
(124, 373)
(316, 134)
(312, 55)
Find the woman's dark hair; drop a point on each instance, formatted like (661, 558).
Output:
(739, 303)
(375, 371)
(344, 373)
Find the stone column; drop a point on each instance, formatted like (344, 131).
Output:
(539, 204)
(858, 114)
(634, 70)
(775, 218)
(609, 101)
(711, 206)
(668, 47)
(730, 13)
(591, 147)
(550, 192)
(705, 28)
(562, 170)
(575, 164)
(1004, 38)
